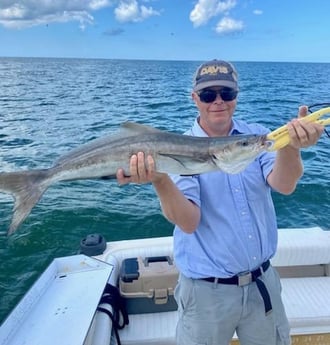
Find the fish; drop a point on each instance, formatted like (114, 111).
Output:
(102, 157)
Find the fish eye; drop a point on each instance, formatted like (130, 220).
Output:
(244, 143)
(269, 143)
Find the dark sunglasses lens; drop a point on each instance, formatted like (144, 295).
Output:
(208, 96)
(228, 94)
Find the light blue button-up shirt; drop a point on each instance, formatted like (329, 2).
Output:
(238, 230)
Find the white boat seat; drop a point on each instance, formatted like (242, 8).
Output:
(150, 329)
(299, 247)
(307, 304)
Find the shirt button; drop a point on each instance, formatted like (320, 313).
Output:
(250, 236)
(254, 258)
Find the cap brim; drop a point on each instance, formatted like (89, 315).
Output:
(225, 83)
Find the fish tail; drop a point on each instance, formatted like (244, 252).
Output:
(27, 187)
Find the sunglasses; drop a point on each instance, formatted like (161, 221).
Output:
(209, 95)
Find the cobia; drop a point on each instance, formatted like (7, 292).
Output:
(173, 153)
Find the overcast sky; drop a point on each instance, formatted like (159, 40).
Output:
(236, 30)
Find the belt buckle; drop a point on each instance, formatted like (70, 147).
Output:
(244, 279)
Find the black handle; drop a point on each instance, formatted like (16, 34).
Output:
(151, 259)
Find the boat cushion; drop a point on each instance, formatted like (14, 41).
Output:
(302, 247)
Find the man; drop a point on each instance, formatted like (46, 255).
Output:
(225, 225)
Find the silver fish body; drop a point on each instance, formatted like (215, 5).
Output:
(173, 153)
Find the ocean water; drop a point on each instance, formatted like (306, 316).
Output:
(49, 106)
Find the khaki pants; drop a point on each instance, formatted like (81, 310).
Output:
(210, 313)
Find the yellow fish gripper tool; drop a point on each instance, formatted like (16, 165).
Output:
(280, 136)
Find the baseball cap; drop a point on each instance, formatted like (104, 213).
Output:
(215, 73)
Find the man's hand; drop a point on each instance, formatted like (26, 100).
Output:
(141, 171)
(303, 133)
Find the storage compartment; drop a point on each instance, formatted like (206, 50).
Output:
(148, 284)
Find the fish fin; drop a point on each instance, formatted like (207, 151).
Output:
(187, 166)
(108, 177)
(27, 187)
(136, 128)
(127, 129)
(182, 159)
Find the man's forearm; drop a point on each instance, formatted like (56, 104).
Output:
(287, 170)
(175, 206)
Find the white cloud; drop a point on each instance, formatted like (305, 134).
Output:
(27, 13)
(204, 10)
(98, 4)
(130, 11)
(17, 14)
(228, 25)
(257, 12)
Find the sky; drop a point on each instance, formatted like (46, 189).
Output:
(234, 30)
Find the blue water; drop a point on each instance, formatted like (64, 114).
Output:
(48, 106)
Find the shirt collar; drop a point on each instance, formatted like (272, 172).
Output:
(198, 131)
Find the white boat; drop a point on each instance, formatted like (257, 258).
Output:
(62, 306)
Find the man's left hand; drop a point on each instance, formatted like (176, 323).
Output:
(303, 133)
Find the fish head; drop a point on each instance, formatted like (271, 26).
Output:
(235, 153)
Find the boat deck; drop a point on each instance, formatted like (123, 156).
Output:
(61, 305)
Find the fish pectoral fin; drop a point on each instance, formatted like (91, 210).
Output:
(187, 162)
